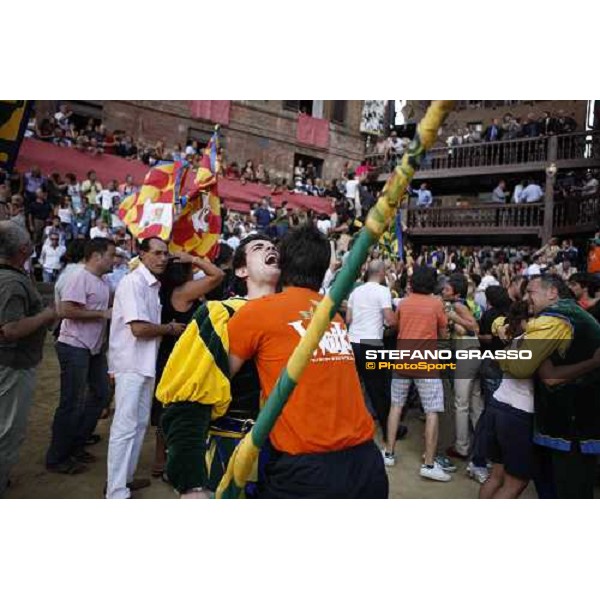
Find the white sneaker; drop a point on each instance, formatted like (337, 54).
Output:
(434, 473)
(479, 474)
(389, 460)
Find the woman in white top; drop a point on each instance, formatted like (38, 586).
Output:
(509, 415)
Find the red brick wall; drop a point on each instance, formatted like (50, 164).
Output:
(259, 130)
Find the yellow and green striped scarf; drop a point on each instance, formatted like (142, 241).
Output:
(198, 368)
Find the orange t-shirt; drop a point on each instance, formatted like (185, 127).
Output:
(594, 260)
(420, 317)
(326, 411)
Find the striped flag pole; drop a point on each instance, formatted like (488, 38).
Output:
(245, 455)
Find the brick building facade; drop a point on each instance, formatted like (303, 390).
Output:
(264, 131)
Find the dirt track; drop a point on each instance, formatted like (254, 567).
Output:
(31, 480)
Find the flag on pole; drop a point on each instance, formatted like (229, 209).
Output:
(14, 115)
(198, 228)
(149, 212)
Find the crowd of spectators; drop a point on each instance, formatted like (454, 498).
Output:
(509, 127)
(57, 210)
(92, 137)
(512, 127)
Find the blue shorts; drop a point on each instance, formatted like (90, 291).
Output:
(508, 439)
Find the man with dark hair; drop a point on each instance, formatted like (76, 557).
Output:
(421, 322)
(580, 284)
(489, 278)
(135, 333)
(223, 260)
(516, 287)
(263, 216)
(567, 416)
(84, 384)
(322, 444)
(38, 213)
(196, 387)
(468, 400)
(23, 326)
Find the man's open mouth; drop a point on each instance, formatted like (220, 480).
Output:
(272, 259)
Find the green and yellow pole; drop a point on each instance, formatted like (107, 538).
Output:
(243, 459)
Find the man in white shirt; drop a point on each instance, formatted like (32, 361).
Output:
(532, 193)
(62, 117)
(50, 258)
(487, 280)
(516, 197)
(109, 199)
(424, 197)
(234, 240)
(135, 334)
(369, 309)
(352, 195)
(590, 187)
(324, 224)
(534, 268)
(100, 230)
(499, 194)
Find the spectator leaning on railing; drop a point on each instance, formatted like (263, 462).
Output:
(531, 193)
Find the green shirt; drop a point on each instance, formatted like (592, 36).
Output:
(19, 299)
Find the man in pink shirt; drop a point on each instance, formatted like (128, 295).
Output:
(84, 386)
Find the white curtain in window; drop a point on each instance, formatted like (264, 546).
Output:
(317, 110)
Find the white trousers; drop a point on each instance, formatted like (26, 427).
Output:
(133, 400)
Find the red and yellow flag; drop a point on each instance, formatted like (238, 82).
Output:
(149, 212)
(198, 228)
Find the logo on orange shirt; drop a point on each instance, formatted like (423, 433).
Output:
(334, 345)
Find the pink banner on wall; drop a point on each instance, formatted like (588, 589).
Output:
(313, 132)
(216, 111)
(236, 196)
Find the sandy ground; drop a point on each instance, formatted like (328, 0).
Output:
(31, 480)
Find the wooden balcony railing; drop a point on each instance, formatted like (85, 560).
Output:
(580, 148)
(477, 219)
(576, 214)
(571, 216)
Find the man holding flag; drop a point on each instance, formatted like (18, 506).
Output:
(322, 443)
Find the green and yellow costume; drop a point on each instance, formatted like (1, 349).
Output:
(196, 390)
